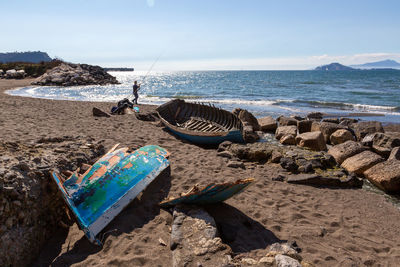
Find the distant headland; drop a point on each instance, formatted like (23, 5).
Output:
(333, 67)
(28, 57)
(378, 65)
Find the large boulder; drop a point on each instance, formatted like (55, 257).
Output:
(341, 136)
(247, 118)
(385, 175)
(304, 126)
(286, 121)
(395, 154)
(14, 74)
(388, 139)
(268, 124)
(326, 128)
(361, 162)
(363, 128)
(345, 150)
(285, 130)
(288, 139)
(312, 140)
(315, 115)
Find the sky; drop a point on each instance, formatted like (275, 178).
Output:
(204, 34)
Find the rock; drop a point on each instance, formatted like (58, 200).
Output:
(326, 128)
(395, 154)
(289, 164)
(332, 120)
(361, 162)
(68, 74)
(304, 126)
(288, 139)
(383, 151)
(341, 136)
(383, 143)
(285, 130)
(284, 249)
(385, 175)
(235, 164)
(279, 178)
(194, 238)
(318, 180)
(368, 140)
(276, 156)
(249, 261)
(286, 121)
(315, 115)
(249, 135)
(146, 116)
(363, 128)
(345, 150)
(286, 261)
(246, 116)
(14, 74)
(224, 145)
(225, 154)
(268, 124)
(266, 261)
(99, 113)
(312, 140)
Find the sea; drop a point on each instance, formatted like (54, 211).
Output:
(365, 94)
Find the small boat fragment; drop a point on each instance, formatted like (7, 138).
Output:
(110, 184)
(212, 193)
(200, 123)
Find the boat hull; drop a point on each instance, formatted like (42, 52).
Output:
(109, 185)
(233, 136)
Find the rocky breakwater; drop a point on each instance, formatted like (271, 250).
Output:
(31, 206)
(68, 74)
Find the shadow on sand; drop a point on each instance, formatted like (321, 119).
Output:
(138, 213)
(239, 231)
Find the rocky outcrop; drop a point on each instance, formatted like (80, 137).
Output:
(267, 124)
(194, 239)
(312, 140)
(363, 128)
(340, 136)
(326, 128)
(68, 74)
(285, 130)
(385, 175)
(345, 150)
(361, 162)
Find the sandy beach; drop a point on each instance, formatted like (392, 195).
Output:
(333, 227)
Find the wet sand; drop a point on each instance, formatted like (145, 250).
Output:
(333, 227)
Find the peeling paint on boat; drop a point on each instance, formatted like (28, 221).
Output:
(98, 195)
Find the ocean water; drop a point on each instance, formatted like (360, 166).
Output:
(373, 93)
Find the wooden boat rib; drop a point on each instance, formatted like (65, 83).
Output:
(201, 123)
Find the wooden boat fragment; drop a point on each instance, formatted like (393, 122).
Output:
(212, 193)
(200, 123)
(98, 195)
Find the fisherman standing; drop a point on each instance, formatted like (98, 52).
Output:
(136, 88)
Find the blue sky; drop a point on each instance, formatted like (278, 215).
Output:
(204, 34)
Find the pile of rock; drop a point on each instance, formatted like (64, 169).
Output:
(12, 74)
(68, 74)
(31, 206)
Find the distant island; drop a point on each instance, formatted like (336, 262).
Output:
(27, 57)
(119, 69)
(384, 64)
(333, 67)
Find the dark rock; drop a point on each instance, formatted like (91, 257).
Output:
(345, 150)
(332, 120)
(286, 121)
(279, 178)
(146, 116)
(249, 135)
(314, 179)
(315, 115)
(383, 151)
(306, 167)
(224, 145)
(289, 164)
(368, 140)
(363, 128)
(225, 154)
(99, 113)
(383, 143)
(385, 175)
(285, 130)
(361, 162)
(235, 164)
(312, 140)
(395, 154)
(276, 156)
(268, 124)
(304, 126)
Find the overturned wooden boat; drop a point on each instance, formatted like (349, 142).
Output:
(211, 194)
(200, 123)
(98, 195)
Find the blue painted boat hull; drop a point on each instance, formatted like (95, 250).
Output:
(233, 136)
(98, 195)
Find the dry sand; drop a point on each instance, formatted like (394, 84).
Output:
(333, 227)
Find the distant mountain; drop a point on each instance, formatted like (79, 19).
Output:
(333, 66)
(384, 64)
(31, 57)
